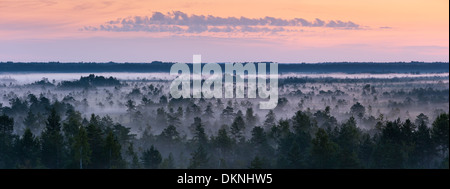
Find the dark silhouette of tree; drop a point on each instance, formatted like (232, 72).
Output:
(250, 118)
(173, 119)
(81, 149)
(348, 141)
(227, 114)
(123, 134)
(72, 126)
(168, 163)
(113, 155)
(292, 154)
(199, 159)
(366, 150)
(260, 144)
(151, 158)
(90, 82)
(223, 142)
(421, 119)
(161, 117)
(279, 131)
(131, 107)
(163, 100)
(424, 147)
(133, 159)
(6, 141)
(52, 142)
(196, 109)
(28, 151)
(209, 113)
(170, 135)
(219, 104)
(179, 113)
(237, 129)
(31, 122)
(323, 151)
(358, 110)
(187, 113)
(270, 120)
(439, 133)
(200, 137)
(388, 151)
(301, 123)
(97, 144)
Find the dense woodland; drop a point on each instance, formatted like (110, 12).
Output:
(102, 123)
(158, 66)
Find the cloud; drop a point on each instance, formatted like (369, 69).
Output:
(180, 22)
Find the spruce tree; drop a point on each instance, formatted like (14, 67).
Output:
(151, 158)
(52, 142)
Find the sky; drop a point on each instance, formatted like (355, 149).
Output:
(283, 31)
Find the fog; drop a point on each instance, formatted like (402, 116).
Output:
(142, 103)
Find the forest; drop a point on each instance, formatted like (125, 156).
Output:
(101, 122)
(158, 66)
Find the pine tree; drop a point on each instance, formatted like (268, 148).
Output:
(133, 159)
(28, 150)
(179, 113)
(196, 109)
(421, 119)
(52, 142)
(97, 145)
(187, 113)
(388, 151)
(81, 150)
(6, 141)
(424, 149)
(259, 143)
(161, 117)
(72, 126)
(199, 133)
(250, 118)
(209, 113)
(168, 163)
(173, 119)
(227, 114)
(301, 122)
(199, 159)
(294, 157)
(6, 125)
(131, 107)
(366, 150)
(219, 104)
(237, 129)
(151, 158)
(31, 121)
(113, 155)
(323, 152)
(270, 120)
(439, 132)
(170, 135)
(358, 110)
(223, 142)
(348, 140)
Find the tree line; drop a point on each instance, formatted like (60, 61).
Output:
(295, 143)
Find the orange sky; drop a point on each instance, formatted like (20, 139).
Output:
(417, 30)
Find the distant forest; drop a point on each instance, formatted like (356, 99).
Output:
(156, 66)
